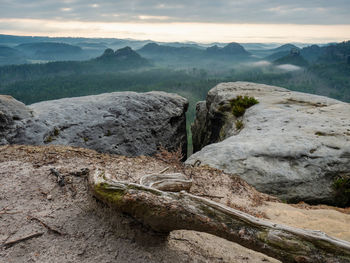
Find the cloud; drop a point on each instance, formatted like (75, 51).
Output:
(262, 63)
(66, 9)
(197, 20)
(143, 17)
(159, 31)
(219, 11)
(288, 67)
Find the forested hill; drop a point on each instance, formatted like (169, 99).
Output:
(110, 61)
(195, 56)
(48, 51)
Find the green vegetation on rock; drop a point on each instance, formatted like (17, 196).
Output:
(239, 124)
(240, 104)
(341, 187)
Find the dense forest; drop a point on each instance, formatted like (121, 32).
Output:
(188, 70)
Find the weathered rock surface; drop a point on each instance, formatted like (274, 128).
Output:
(293, 145)
(125, 123)
(11, 112)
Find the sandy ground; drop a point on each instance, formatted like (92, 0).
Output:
(71, 226)
(328, 220)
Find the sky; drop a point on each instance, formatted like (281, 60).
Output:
(308, 21)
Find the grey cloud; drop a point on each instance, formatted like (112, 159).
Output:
(243, 11)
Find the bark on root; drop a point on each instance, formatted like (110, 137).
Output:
(168, 211)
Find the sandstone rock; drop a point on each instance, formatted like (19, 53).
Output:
(125, 123)
(11, 112)
(293, 145)
(200, 134)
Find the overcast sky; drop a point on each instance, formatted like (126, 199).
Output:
(205, 21)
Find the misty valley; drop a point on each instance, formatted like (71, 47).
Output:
(37, 68)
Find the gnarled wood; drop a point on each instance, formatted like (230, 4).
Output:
(174, 182)
(168, 211)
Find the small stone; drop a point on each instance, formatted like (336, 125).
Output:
(49, 197)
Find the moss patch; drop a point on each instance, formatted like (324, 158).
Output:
(109, 195)
(52, 135)
(319, 133)
(341, 187)
(239, 124)
(240, 104)
(56, 131)
(48, 139)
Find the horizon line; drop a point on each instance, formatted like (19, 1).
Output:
(204, 33)
(155, 41)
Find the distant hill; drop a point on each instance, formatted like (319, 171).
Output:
(92, 49)
(92, 45)
(332, 53)
(109, 61)
(293, 58)
(274, 53)
(179, 44)
(231, 49)
(134, 44)
(10, 55)
(311, 53)
(52, 51)
(338, 53)
(156, 49)
(164, 55)
(124, 58)
(285, 50)
(285, 47)
(277, 55)
(193, 56)
(255, 46)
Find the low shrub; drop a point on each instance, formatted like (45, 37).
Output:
(240, 104)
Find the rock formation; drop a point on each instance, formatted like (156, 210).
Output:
(11, 113)
(292, 145)
(125, 123)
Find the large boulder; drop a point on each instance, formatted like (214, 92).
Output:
(292, 145)
(125, 123)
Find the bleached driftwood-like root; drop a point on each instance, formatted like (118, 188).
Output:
(174, 182)
(168, 211)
